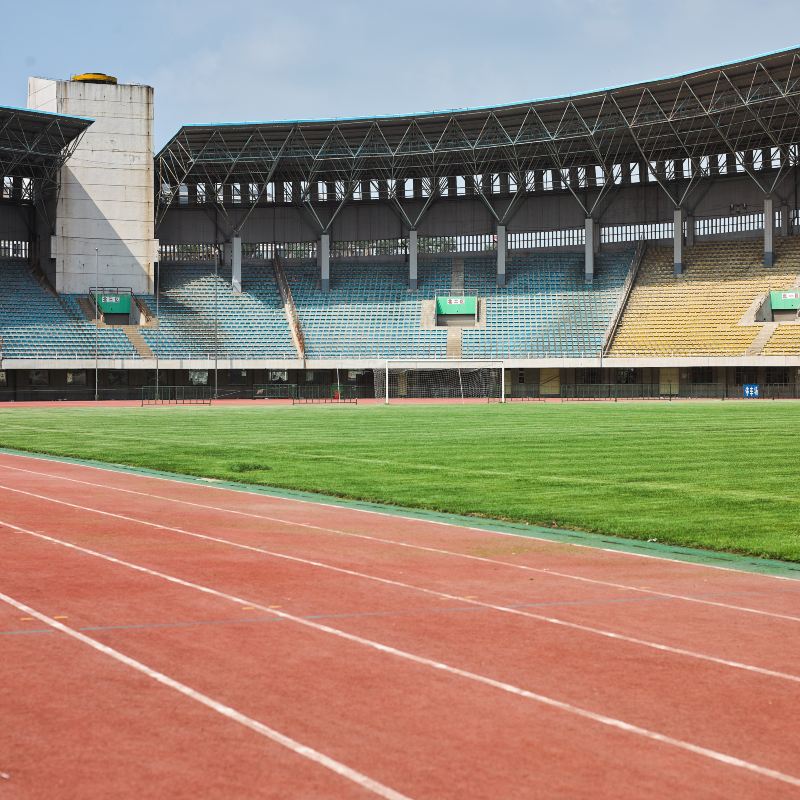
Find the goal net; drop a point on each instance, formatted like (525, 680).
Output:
(440, 380)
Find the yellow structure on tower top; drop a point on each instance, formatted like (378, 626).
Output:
(94, 77)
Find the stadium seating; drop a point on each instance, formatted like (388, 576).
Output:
(698, 313)
(369, 311)
(785, 341)
(546, 309)
(249, 325)
(36, 324)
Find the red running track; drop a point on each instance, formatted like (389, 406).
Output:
(162, 638)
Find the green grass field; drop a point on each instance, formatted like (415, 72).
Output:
(716, 475)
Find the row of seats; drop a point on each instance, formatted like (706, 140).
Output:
(369, 311)
(36, 324)
(785, 341)
(200, 316)
(699, 313)
(546, 308)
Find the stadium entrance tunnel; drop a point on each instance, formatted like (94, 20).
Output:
(780, 306)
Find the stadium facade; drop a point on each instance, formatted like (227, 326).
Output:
(640, 237)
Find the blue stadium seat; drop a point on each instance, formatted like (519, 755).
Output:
(546, 310)
(35, 324)
(248, 325)
(369, 311)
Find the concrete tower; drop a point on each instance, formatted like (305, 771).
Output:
(106, 198)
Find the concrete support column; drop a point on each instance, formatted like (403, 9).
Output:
(502, 246)
(324, 261)
(677, 241)
(592, 243)
(769, 231)
(413, 250)
(236, 264)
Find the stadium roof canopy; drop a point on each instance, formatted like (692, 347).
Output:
(732, 109)
(35, 144)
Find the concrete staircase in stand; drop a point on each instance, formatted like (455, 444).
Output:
(456, 288)
(137, 340)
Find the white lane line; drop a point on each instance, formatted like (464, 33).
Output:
(303, 750)
(664, 648)
(397, 543)
(442, 667)
(123, 469)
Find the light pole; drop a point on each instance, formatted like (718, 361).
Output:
(96, 322)
(158, 321)
(216, 327)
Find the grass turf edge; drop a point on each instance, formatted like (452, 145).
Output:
(601, 541)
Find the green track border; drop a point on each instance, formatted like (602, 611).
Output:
(691, 555)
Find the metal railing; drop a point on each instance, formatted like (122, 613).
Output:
(630, 278)
(325, 393)
(176, 395)
(289, 305)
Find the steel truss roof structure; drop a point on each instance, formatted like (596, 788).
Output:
(34, 144)
(675, 130)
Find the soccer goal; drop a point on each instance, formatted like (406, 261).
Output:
(439, 379)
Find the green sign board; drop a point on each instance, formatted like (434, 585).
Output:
(463, 306)
(785, 301)
(114, 303)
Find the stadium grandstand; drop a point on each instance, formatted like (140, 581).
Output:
(639, 241)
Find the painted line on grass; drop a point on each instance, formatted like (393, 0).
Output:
(438, 666)
(594, 541)
(309, 753)
(393, 542)
(469, 601)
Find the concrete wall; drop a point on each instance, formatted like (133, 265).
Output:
(106, 199)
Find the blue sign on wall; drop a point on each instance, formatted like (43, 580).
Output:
(750, 390)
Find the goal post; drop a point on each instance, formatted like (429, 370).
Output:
(441, 379)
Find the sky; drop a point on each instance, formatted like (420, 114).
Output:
(229, 60)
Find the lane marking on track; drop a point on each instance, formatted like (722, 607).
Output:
(407, 545)
(397, 543)
(208, 483)
(516, 611)
(438, 666)
(303, 750)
